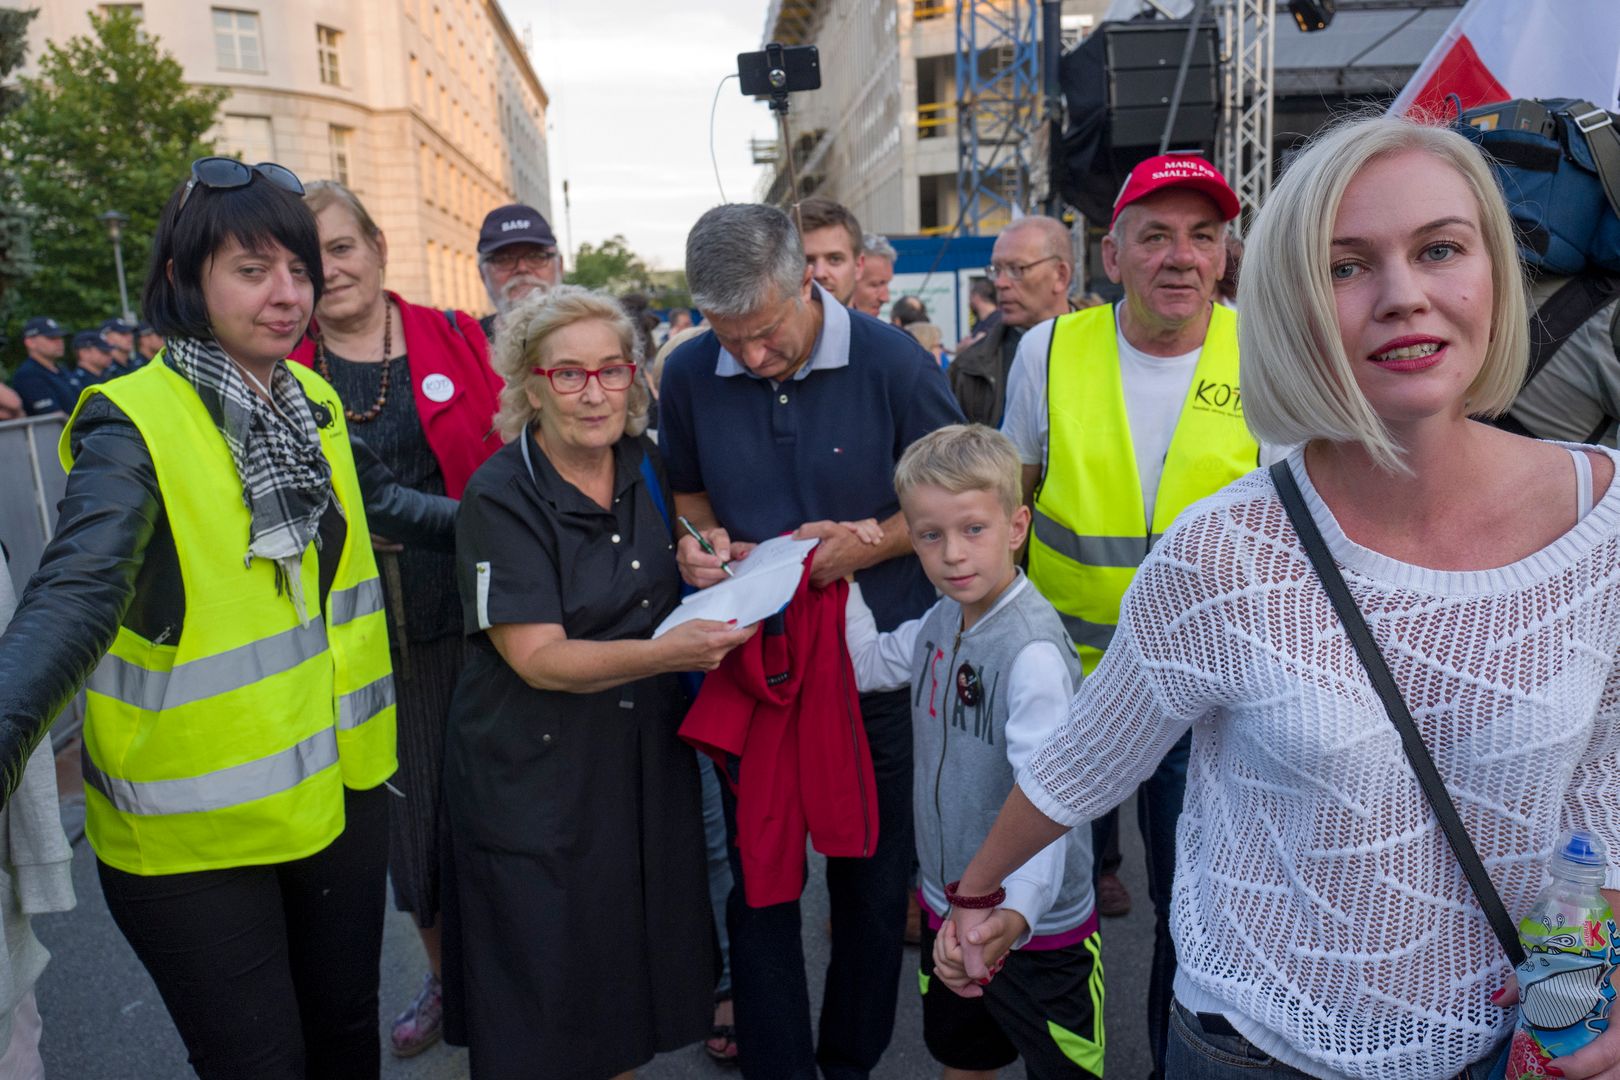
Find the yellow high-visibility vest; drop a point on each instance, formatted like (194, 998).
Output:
(230, 742)
(1091, 530)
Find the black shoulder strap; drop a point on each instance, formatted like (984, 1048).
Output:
(1383, 682)
(450, 313)
(1577, 300)
(1597, 127)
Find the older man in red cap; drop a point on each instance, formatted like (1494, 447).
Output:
(1123, 415)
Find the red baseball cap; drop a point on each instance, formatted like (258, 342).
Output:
(1177, 170)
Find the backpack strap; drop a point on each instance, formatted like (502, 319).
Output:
(655, 490)
(1577, 300)
(1417, 752)
(1597, 127)
(450, 314)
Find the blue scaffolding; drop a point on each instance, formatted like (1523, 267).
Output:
(998, 87)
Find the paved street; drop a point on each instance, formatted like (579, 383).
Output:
(104, 1020)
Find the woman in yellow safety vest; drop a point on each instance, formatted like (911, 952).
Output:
(211, 587)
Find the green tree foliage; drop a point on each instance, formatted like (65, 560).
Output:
(610, 266)
(16, 254)
(109, 124)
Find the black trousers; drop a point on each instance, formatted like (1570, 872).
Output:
(270, 972)
(868, 902)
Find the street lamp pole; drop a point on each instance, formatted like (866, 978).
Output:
(114, 221)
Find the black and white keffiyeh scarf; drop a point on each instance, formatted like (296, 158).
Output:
(286, 479)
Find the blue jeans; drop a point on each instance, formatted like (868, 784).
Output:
(1158, 806)
(714, 835)
(1197, 1053)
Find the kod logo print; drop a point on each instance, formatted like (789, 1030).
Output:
(1214, 396)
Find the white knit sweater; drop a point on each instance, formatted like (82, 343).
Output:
(1316, 902)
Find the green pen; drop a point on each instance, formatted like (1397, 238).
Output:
(704, 544)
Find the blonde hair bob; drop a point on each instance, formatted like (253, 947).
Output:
(963, 457)
(520, 346)
(1298, 384)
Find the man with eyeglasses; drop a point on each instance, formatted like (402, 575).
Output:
(517, 254)
(1123, 416)
(789, 416)
(1032, 269)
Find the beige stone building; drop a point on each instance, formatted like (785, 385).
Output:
(880, 136)
(428, 109)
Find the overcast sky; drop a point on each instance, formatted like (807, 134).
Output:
(631, 83)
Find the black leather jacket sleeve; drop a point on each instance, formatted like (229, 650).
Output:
(89, 575)
(400, 513)
(71, 609)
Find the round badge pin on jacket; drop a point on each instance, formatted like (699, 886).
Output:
(438, 388)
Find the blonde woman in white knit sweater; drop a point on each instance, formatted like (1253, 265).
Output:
(1323, 926)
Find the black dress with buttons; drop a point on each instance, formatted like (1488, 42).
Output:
(578, 940)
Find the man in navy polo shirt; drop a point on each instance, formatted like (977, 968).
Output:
(789, 417)
(43, 382)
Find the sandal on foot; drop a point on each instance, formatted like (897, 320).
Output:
(422, 1022)
(726, 1036)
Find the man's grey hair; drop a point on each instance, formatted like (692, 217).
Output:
(739, 255)
(879, 246)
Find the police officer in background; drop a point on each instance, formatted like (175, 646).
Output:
(1123, 416)
(121, 336)
(43, 382)
(517, 254)
(148, 343)
(95, 357)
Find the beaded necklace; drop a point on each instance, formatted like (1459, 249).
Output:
(387, 366)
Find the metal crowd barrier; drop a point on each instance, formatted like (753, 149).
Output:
(31, 485)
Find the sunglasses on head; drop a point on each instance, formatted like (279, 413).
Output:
(225, 173)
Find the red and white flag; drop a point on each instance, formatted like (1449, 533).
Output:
(1500, 49)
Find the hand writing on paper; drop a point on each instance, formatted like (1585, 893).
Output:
(700, 569)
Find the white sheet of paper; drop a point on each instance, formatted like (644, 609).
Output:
(763, 584)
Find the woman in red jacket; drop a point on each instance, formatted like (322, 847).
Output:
(416, 383)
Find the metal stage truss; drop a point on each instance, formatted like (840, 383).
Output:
(998, 87)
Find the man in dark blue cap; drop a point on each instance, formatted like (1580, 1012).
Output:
(121, 336)
(517, 254)
(94, 355)
(42, 381)
(148, 343)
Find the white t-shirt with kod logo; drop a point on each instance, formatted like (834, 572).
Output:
(1155, 389)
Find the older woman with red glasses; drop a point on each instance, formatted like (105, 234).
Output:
(576, 931)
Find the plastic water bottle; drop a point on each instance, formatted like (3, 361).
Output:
(1568, 936)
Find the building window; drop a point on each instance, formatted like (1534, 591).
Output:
(236, 40)
(250, 136)
(328, 47)
(339, 138)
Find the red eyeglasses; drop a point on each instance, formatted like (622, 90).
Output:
(572, 380)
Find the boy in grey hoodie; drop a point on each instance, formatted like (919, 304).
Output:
(991, 671)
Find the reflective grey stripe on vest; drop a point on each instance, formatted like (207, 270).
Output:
(358, 706)
(1090, 634)
(352, 603)
(222, 788)
(1125, 552)
(210, 676)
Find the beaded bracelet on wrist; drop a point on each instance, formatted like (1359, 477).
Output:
(976, 903)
